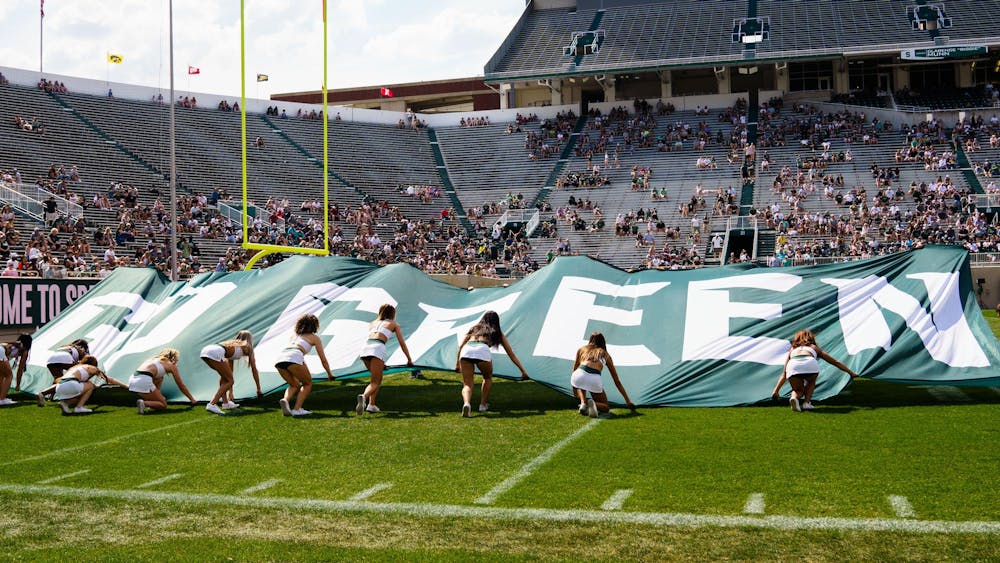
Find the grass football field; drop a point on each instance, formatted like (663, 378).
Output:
(883, 471)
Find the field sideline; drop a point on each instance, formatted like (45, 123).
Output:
(883, 471)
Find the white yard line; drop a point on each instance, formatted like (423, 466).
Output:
(523, 514)
(530, 467)
(61, 477)
(948, 394)
(371, 491)
(755, 504)
(902, 506)
(160, 481)
(101, 443)
(260, 487)
(616, 500)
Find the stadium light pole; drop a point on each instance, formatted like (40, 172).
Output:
(173, 158)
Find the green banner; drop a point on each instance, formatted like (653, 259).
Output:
(31, 302)
(709, 337)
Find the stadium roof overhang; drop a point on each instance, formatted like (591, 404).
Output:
(571, 70)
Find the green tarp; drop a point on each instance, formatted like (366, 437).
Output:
(709, 337)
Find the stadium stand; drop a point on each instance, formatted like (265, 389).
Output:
(635, 186)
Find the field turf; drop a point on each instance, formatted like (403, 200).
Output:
(531, 479)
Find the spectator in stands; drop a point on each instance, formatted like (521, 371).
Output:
(51, 209)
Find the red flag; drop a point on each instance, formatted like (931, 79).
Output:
(193, 70)
(385, 92)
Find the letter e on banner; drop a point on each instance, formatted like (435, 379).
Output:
(709, 310)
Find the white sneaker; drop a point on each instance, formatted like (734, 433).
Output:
(285, 409)
(82, 410)
(591, 408)
(140, 406)
(372, 408)
(583, 409)
(360, 408)
(41, 399)
(466, 410)
(7, 402)
(795, 404)
(484, 407)
(808, 406)
(65, 407)
(301, 412)
(230, 405)
(214, 409)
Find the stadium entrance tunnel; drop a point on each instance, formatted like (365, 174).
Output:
(740, 241)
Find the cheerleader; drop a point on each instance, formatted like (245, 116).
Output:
(373, 355)
(591, 360)
(16, 351)
(75, 387)
(475, 352)
(221, 358)
(291, 365)
(148, 379)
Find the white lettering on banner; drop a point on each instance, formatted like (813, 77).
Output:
(310, 299)
(572, 309)
(16, 304)
(945, 331)
(440, 324)
(102, 337)
(164, 331)
(349, 336)
(709, 310)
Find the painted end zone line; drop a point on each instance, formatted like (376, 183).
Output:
(534, 464)
(902, 506)
(160, 481)
(755, 504)
(371, 491)
(523, 514)
(61, 477)
(616, 500)
(260, 487)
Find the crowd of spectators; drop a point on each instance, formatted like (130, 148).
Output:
(474, 121)
(425, 194)
(551, 136)
(52, 86)
(33, 125)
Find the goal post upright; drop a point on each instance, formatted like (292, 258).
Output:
(266, 249)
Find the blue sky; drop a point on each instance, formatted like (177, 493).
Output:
(370, 42)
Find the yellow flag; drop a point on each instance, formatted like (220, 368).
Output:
(115, 59)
